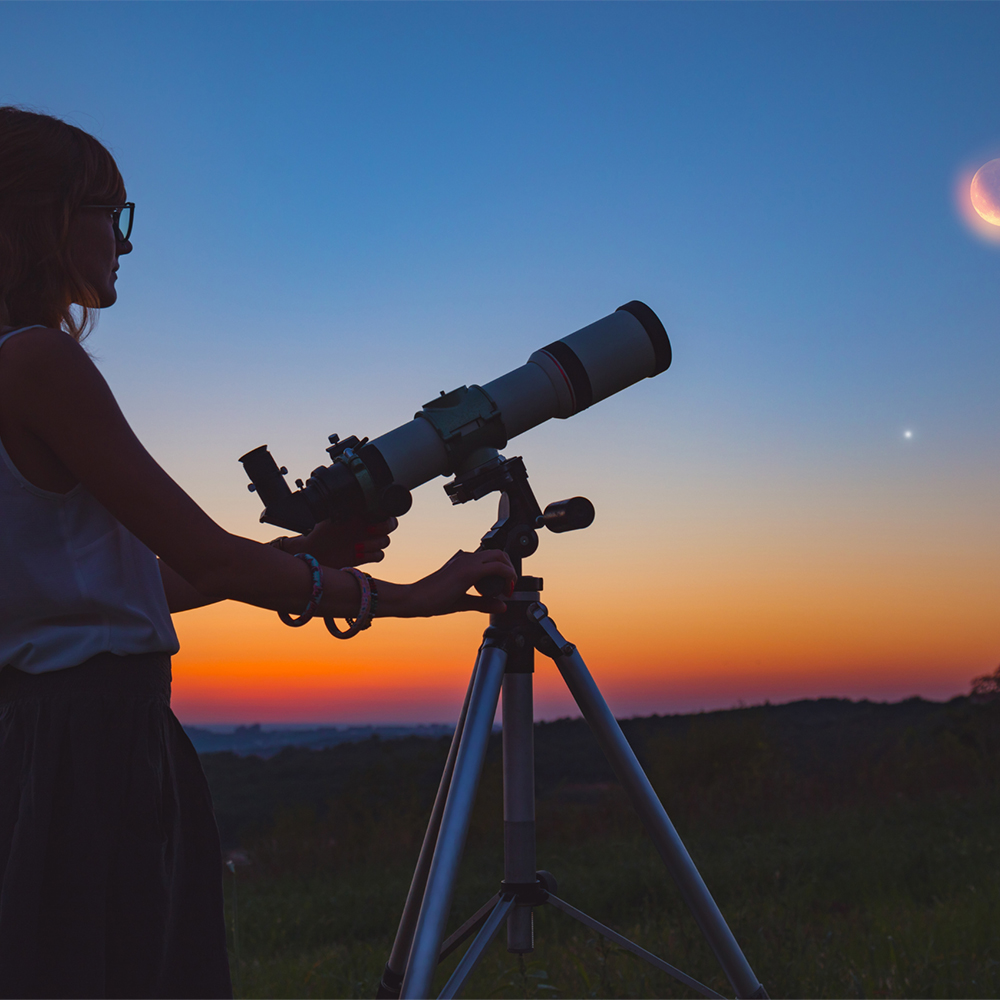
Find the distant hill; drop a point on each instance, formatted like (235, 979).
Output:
(244, 740)
(805, 755)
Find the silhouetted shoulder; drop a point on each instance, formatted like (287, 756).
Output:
(42, 346)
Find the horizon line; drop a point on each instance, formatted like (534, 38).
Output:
(738, 706)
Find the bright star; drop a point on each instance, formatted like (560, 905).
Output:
(907, 434)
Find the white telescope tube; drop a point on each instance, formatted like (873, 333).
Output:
(559, 380)
(463, 429)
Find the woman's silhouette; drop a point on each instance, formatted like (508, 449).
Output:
(110, 872)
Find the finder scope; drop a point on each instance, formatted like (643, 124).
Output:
(462, 429)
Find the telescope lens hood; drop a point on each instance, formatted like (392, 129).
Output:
(654, 330)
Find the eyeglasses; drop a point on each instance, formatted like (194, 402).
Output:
(121, 218)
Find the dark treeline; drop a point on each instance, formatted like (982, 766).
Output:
(732, 767)
(267, 742)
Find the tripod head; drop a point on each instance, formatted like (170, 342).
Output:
(519, 515)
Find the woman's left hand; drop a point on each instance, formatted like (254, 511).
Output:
(344, 543)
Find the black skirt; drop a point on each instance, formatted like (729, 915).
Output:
(110, 868)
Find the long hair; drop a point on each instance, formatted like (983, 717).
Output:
(48, 169)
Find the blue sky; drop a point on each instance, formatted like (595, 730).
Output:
(343, 208)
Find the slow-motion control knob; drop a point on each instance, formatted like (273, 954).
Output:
(567, 515)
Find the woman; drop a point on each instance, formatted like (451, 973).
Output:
(110, 872)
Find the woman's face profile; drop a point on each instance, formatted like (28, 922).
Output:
(94, 250)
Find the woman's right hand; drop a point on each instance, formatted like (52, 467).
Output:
(445, 591)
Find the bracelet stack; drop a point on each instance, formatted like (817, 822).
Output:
(369, 605)
(366, 612)
(314, 598)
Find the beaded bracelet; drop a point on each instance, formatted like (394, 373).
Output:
(369, 603)
(314, 598)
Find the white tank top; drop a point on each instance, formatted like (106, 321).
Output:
(74, 582)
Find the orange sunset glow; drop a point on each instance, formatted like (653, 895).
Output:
(854, 599)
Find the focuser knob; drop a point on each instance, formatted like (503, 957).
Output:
(396, 500)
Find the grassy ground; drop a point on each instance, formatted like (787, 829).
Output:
(905, 904)
(879, 878)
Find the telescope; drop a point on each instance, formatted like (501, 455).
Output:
(460, 431)
(459, 434)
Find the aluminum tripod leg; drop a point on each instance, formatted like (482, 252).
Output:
(519, 794)
(623, 942)
(469, 961)
(469, 759)
(646, 803)
(392, 977)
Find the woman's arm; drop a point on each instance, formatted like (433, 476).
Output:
(351, 544)
(59, 397)
(181, 596)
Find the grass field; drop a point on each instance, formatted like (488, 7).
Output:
(852, 850)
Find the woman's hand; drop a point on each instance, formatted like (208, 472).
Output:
(445, 591)
(343, 543)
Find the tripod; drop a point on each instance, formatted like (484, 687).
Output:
(506, 661)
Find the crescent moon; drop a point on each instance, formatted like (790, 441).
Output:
(985, 192)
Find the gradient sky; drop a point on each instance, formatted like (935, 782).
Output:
(344, 208)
